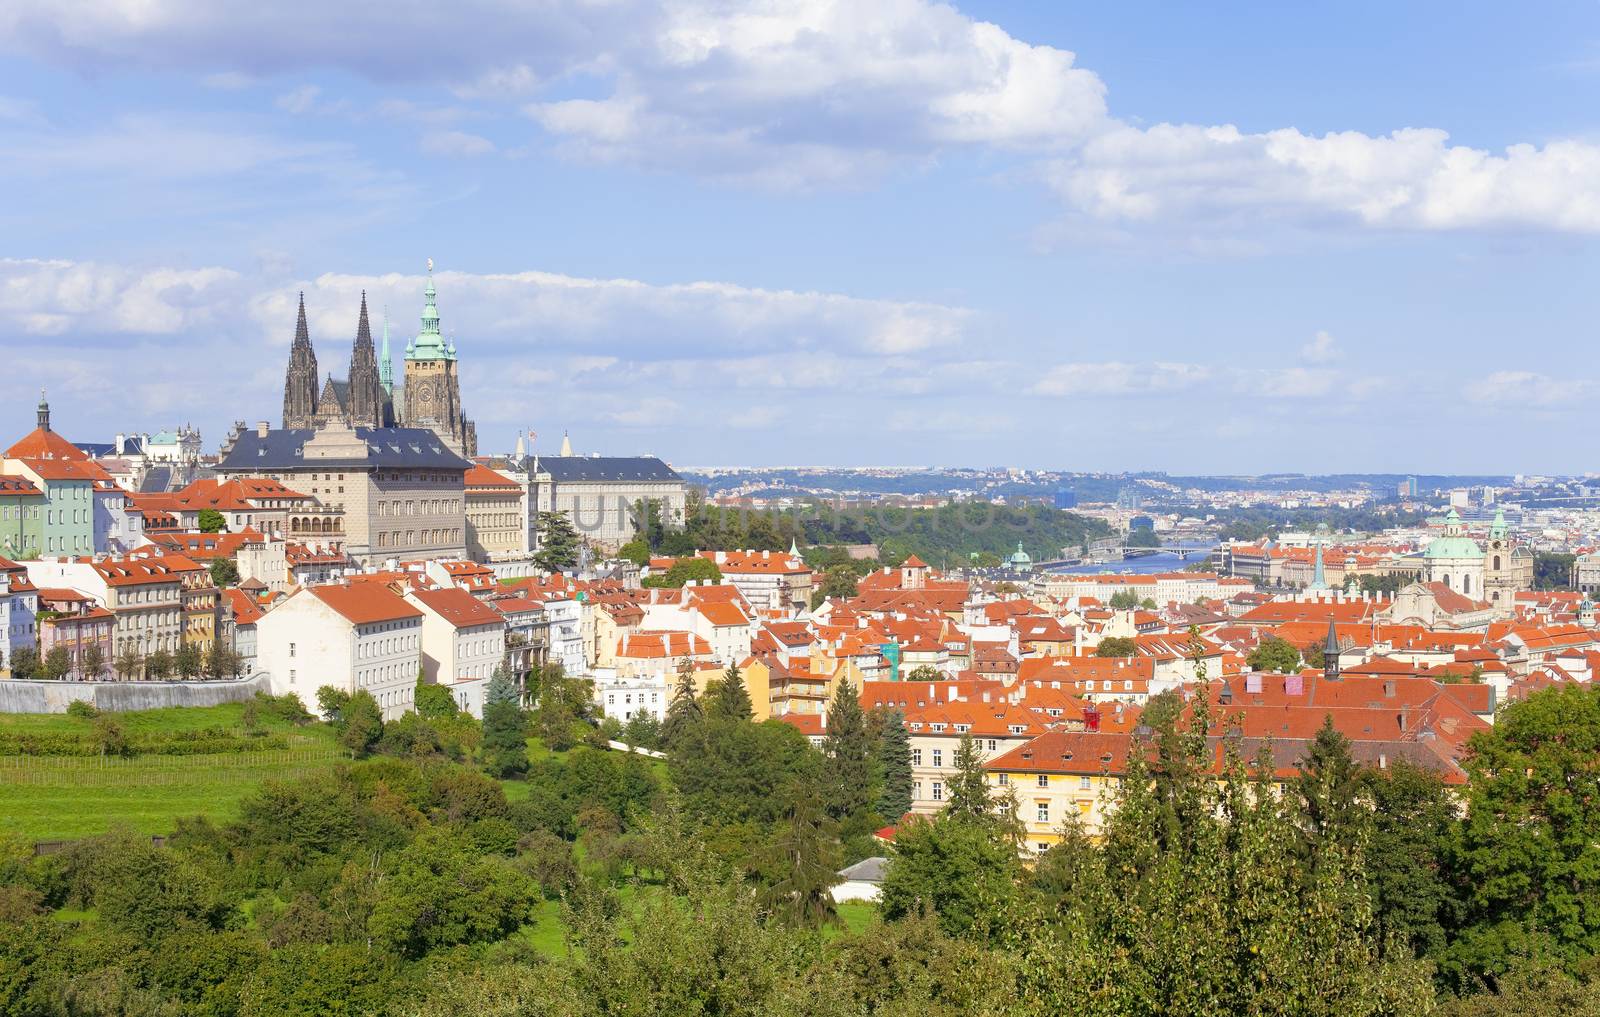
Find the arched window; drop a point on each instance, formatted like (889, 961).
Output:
(1466, 585)
(1497, 563)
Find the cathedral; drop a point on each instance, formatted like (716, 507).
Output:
(366, 397)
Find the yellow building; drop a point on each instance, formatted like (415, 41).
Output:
(1061, 774)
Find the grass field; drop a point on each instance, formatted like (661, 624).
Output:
(61, 798)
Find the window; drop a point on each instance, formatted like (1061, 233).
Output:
(916, 757)
(916, 789)
(1044, 780)
(291, 649)
(1083, 783)
(1005, 780)
(938, 791)
(1041, 812)
(938, 757)
(991, 745)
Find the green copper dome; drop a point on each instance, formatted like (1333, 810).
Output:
(1453, 547)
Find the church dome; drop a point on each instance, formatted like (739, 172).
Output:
(1453, 547)
(1020, 560)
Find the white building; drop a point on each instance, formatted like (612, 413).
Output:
(356, 637)
(600, 494)
(118, 526)
(19, 606)
(463, 641)
(768, 580)
(621, 696)
(565, 619)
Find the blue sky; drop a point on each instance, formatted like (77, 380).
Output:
(1350, 236)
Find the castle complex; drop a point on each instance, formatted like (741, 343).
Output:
(430, 396)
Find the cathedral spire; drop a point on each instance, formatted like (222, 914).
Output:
(302, 334)
(301, 380)
(366, 389)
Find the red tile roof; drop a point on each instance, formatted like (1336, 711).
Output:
(458, 607)
(365, 603)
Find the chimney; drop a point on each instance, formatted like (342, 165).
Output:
(262, 427)
(1405, 717)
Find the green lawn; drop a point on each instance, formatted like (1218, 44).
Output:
(61, 798)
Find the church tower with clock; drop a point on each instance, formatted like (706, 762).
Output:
(432, 388)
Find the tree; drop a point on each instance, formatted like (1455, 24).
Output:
(969, 789)
(962, 871)
(433, 701)
(894, 764)
(643, 730)
(839, 582)
(682, 571)
(558, 542)
(128, 663)
(362, 723)
(224, 572)
(188, 661)
(1330, 786)
(1529, 852)
(158, 665)
(24, 662)
(1143, 536)
(637, 551)
(850, 781)
(803, 859)
(57, 664)
(211, 521)
(332, 704)
(924, 673)
(1552, 570)
(505, 736)
(727, 699)
(92, 662)
(1116, 646)
(1124, 600)
(1413, 826)
(685, 721)
(222, 661)
(1275, 654)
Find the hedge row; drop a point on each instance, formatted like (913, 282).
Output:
(186, 743)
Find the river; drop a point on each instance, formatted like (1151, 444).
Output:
(1161, 561)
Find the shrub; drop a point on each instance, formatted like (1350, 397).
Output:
(82, 709)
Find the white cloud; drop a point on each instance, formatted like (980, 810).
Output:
(53, 297)
(1322, 349)
(300, 100)
(1115, 378)
(1410, 179)
(456, 143)
(1530, 389)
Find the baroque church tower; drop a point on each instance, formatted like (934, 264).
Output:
(300, 381)
(432, 387)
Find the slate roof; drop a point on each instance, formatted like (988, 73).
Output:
(867, 870)
(577, 468)
(281, 449)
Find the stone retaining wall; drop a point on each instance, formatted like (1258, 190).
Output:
(53, 697)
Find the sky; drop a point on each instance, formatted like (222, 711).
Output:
(1229, 238)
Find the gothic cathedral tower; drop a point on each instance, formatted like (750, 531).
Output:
(432, 389)
(300, 380)
(366, 399)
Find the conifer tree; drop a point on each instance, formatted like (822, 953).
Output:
(685, 720)
(558, 542)
(969, 788)
(505, 745)
(849, 775)
(894, 765)
(804, 858)
(728, 699)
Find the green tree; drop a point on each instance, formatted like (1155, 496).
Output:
(969, 798)
(637, 551)
(839, 582)
(727, 699)
(222, 661)
(1124, 600)
(685, 720)
(804, 859)
(1413, 827)
(439, 895)
(158, 665)
(92, 662)
(432, 701)
(1530, 842)
(1334, 812)
(643, 730)
(1276, 655)
(924, 673)
(851, 785)
(1552, 570)
(25, 662)
(505, 744)
(964, 872)
(128, 663)
(332, 704)
(1143, 536)
(188, 661)
(558, 542)
(1116, 646)
(682, 571)
(211, 521)
(361, 723)
(224, 572)
(894, 764)
(57, 663)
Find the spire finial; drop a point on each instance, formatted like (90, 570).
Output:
(44, 411)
